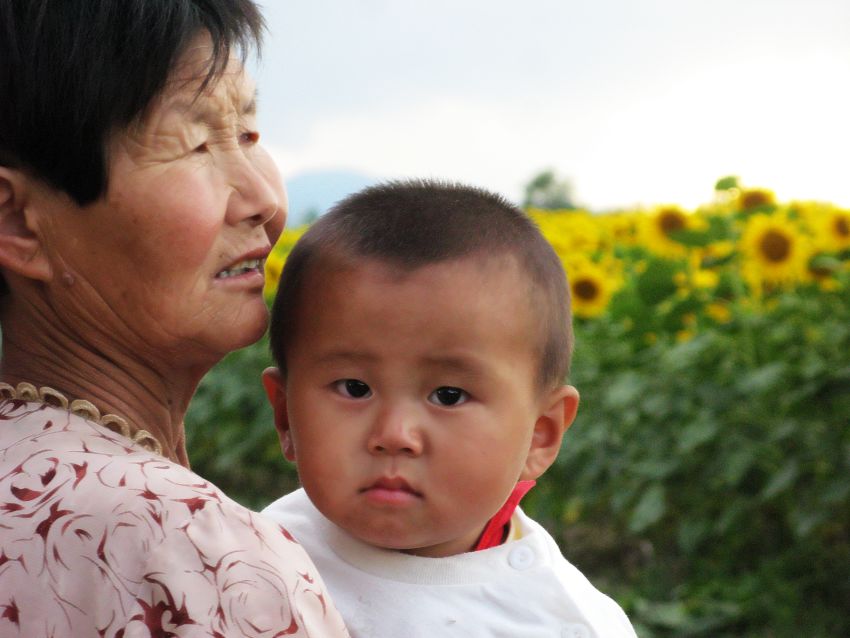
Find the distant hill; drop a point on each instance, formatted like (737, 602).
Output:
(312, 193)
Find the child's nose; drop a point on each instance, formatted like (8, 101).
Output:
(395, 432)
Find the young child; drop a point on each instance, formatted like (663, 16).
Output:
(422, 334)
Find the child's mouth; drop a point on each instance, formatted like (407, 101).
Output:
(391, 491)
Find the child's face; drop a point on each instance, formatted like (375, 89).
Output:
(410, 404)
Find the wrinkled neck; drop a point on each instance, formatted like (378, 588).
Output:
(44, 350)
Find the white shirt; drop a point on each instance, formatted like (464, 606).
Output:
(521, 589)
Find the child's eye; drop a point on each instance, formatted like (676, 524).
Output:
(352, 388)
(448, 395)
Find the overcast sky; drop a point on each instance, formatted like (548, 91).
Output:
(636, 101)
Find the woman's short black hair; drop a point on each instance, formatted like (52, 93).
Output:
(72, 72)
(413, 223)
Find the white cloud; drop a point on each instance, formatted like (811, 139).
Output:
(498, 146)
(667, 147)
(653, 123)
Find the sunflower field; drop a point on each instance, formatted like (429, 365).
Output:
(706, 481)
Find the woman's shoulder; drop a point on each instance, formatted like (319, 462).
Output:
(111, 527)
(49, 457)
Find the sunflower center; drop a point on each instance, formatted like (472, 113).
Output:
(775, 246)
(586, 289)
(842, 227)
(670, 222)
(755, 199)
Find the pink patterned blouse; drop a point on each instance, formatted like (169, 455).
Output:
(102, 539)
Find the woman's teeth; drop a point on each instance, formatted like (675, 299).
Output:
(248, 265)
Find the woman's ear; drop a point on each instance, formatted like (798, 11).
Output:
(21, 249)
(558, 410)
(275, 385)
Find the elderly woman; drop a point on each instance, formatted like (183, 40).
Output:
(136, 210)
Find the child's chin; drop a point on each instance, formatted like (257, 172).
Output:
(385, 541)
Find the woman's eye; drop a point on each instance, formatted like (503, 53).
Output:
(352, 388)
(448, 395)
(249, 137)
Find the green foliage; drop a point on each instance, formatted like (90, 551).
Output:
(230, 431)
(727, 183)
(706, 483)
(547, 191)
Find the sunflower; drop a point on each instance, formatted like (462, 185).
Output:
(823, 274)
(619, 229)
(839, 224)
(274, 266)
(277, 258)
(753, 199)
(719, 311)
(696, 279)
(287, 240)
(775, 252)
(658, 230)
(569, 232)
(591, 286)
(828, 225)
(832, 227)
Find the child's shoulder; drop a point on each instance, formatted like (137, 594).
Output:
(605, 614)
(290, 507)
(297, 514)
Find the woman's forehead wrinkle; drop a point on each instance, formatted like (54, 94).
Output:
(232, 96)
(192, 75)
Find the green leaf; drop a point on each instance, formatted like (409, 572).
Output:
(738, 462)
(654, 469)
(624, 390)
(836, 493)
(669, 615)
(697, 433)
(782, 480)
(691, 534)
(687, 354)
(825, 264)
(804, 521)
(726, 183)
(656, 283)
(649, 509)
(693, 238)
(760, 380)
(730, 517)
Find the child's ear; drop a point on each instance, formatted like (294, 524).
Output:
(275, 385)
(20, 247)
(558, 412)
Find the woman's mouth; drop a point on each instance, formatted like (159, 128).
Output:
(241, 268)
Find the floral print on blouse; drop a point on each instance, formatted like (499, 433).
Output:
(102, 539)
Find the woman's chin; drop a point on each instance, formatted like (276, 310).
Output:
(244, 330)
(254, 329)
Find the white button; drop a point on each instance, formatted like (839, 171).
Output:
(521, 557)
(575, 630)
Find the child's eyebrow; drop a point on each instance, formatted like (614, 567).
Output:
(344, 356)
(465, 364)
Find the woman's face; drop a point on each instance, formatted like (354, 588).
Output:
(170, 261)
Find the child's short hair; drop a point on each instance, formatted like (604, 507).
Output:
(410, 224)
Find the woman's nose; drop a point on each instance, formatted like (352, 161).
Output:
(257, 194)
(396, 432)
